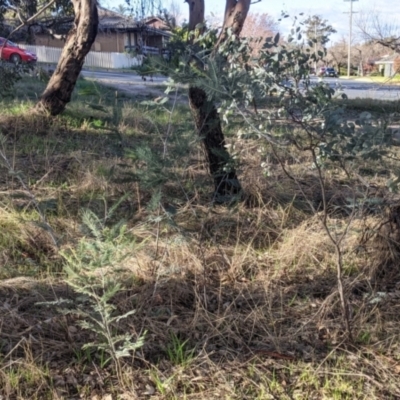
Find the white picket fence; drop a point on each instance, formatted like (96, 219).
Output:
(51, 55)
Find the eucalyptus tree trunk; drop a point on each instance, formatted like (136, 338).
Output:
(235, 15)
(78, 44)
(206, 117)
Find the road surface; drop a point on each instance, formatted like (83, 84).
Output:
(127, 78)
(352, 88)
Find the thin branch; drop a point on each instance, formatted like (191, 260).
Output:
(24, 23)
(336, 243)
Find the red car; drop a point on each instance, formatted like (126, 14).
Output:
(11, 52)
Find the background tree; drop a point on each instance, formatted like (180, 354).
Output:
(24, 9)
(259, 26)
(24, 15)
(374, 28)
(316, 28)
(318, 32)
(174, 12)
(121, 9)
(364, 54)
(79, 41)
(337, 54)
(367, 53)
(172, 16)
(141, 9)
(3, 10)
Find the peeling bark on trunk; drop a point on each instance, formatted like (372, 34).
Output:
(208, 124)
(78, 44)
(235, 14)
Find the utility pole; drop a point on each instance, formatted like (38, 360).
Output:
(350, 34)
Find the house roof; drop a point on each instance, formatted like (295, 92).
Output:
(388, 59)
(111, 20)
(108, 21)
(156, 21)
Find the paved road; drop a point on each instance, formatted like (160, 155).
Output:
(353, 88)
(122, 78)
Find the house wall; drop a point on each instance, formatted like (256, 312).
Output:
(389, 70)
(111, 42)
(153, 41)
(48, 41)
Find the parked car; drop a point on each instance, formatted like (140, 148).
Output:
(11, 52)
(331, 72)
(321, 71)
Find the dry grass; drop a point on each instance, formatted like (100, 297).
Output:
(239, 302)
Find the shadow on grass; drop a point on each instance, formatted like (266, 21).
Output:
(279, 334)
(247, 291)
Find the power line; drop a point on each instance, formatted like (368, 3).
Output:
(350, 34)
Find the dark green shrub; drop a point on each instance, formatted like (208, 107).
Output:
(9, 75)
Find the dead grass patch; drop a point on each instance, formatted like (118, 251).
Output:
(249, 289)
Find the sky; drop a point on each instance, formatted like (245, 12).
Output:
(334, 12)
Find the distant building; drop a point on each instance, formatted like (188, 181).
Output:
(389, 65)
(117, 33)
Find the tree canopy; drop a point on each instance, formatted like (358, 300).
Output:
(23, 9)
(318, 30)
